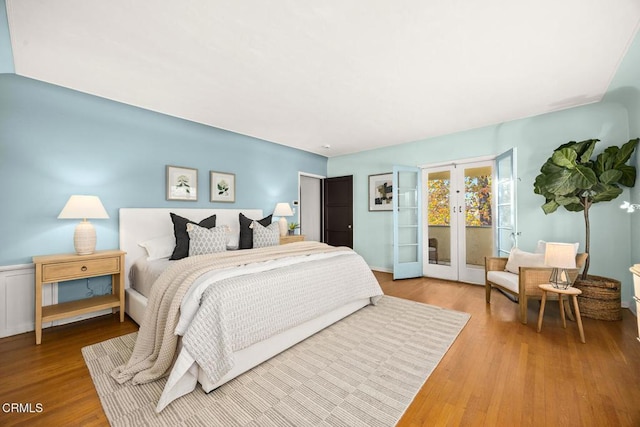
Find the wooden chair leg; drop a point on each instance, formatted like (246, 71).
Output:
(522, 302)
(541, 313)
(487, 292)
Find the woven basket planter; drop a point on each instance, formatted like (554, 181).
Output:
(600, 298)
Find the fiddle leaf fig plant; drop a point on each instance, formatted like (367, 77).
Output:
(571, 178)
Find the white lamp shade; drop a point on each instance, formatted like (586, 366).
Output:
(282, 209)
(83, 207)
(560, 255)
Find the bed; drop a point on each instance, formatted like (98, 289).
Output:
(244, 284)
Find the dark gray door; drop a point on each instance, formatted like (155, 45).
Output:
(338, 211)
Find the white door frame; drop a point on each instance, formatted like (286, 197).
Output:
(301, 206)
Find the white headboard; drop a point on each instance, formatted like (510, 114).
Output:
(141, 224)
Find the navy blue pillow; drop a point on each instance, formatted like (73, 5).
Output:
(182, 237)
(246, 233)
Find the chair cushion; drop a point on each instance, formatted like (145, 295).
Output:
(518, 258)
(505, 279)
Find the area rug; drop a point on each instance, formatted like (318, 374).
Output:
(361, 371)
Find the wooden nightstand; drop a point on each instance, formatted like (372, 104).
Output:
(291, 238)
(59, 268)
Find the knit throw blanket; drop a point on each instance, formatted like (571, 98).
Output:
(156, 344)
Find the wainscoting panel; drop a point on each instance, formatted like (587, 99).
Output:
(17, 299)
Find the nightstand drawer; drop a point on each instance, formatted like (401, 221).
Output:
(84, 268)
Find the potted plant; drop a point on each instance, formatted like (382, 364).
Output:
(571, 178)
(292, 227)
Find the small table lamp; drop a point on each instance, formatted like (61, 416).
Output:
(283, 210)
(560, 256)
(84, 207)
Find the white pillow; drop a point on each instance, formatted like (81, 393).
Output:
(542, 247)
(518, 258)
(265, 236)
(206, 240)
(160, 247)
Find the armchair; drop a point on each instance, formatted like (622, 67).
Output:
(524, 285)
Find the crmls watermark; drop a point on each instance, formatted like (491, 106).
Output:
(22, 408)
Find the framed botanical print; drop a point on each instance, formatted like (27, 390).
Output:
(381, 192)
(182, 183)
(223, 187)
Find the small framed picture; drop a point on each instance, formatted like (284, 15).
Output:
(381, 192)
(223, 187)
(182, 183)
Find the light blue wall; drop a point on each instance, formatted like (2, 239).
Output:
(625, 89)
(535, 139)
(56, 142)
(6, 55)
(614, 121)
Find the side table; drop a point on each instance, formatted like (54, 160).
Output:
(570, 291)
(64, 267)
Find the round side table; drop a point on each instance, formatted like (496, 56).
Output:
(573, 293)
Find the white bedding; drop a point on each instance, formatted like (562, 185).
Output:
(247, 348)
(236, 312)
(144, 273)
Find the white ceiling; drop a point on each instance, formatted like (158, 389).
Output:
(352, 74)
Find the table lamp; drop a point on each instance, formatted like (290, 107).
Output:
(560, 256)
(283, 210)
(84, 207)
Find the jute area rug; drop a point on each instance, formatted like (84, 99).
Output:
(362, 371)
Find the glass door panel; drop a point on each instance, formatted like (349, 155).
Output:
(478, 219)
(440, 257)
(407, 234)
(439, 217)
(506, 233)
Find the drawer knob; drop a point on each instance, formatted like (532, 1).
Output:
(84, 268)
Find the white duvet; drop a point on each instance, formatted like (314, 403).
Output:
(227, 310)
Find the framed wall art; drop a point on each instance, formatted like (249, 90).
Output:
(182, 183)
(223, 187)
(381, 192)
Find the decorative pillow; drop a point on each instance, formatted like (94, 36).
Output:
(246, 234)
(206, 240)
(265, 236)
(542, 247)
(160, 247)
(182, 237)
(518, 258)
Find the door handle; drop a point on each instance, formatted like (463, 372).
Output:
(349, 226)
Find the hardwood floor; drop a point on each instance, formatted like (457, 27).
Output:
(497, 373)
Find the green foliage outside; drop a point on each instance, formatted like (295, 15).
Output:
(477, 201)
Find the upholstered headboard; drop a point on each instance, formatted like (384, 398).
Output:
(141, 224)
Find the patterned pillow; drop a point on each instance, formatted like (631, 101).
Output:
(265, 236)
(246, 234)
(182, 237)
(206, 240)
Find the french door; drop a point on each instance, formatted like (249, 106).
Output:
(407, 222)
(461, 227)
(506, 229)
